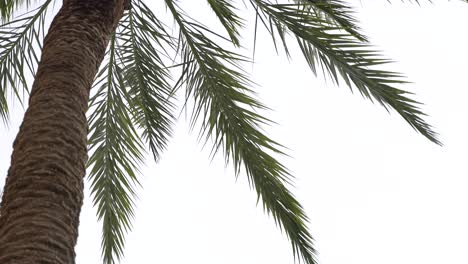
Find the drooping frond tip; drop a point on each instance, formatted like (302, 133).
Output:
(226, 13)
(131, 106)
(143, 40)
(116, 152)
(224, 106)
(345, 58)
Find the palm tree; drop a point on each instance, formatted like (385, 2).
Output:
(131, 106)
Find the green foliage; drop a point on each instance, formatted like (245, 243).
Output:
(20, 43)
(226, 14)
(335, 12)
(116, 153)
(132, 96)
(132, 105)
(7, 7)
(142, 42)
(221, 97)
(343, 55)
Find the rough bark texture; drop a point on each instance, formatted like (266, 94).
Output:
(43, 194)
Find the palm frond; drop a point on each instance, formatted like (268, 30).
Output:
(226, 14)
(336, 12)
(7, 7)
(222, 100)
(342, 55)
(116, 153)
(20, 44)
(146, 75)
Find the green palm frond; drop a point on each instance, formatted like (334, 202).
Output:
(133, 96)
(226, 13)
(342, 55)
(221, 101)
(336, 12)
(20, 43)
(116, 153)
(133, 100)
(7, 7)
(146, 75)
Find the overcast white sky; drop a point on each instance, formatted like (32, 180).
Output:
(375, 190)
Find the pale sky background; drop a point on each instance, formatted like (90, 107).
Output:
(376, 192)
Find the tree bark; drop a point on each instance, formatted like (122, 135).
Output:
(39, 212)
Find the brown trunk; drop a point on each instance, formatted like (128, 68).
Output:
(43, 194)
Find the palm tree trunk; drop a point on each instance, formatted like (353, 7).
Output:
(39, 212)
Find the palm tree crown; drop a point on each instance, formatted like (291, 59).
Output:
(133, 103)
